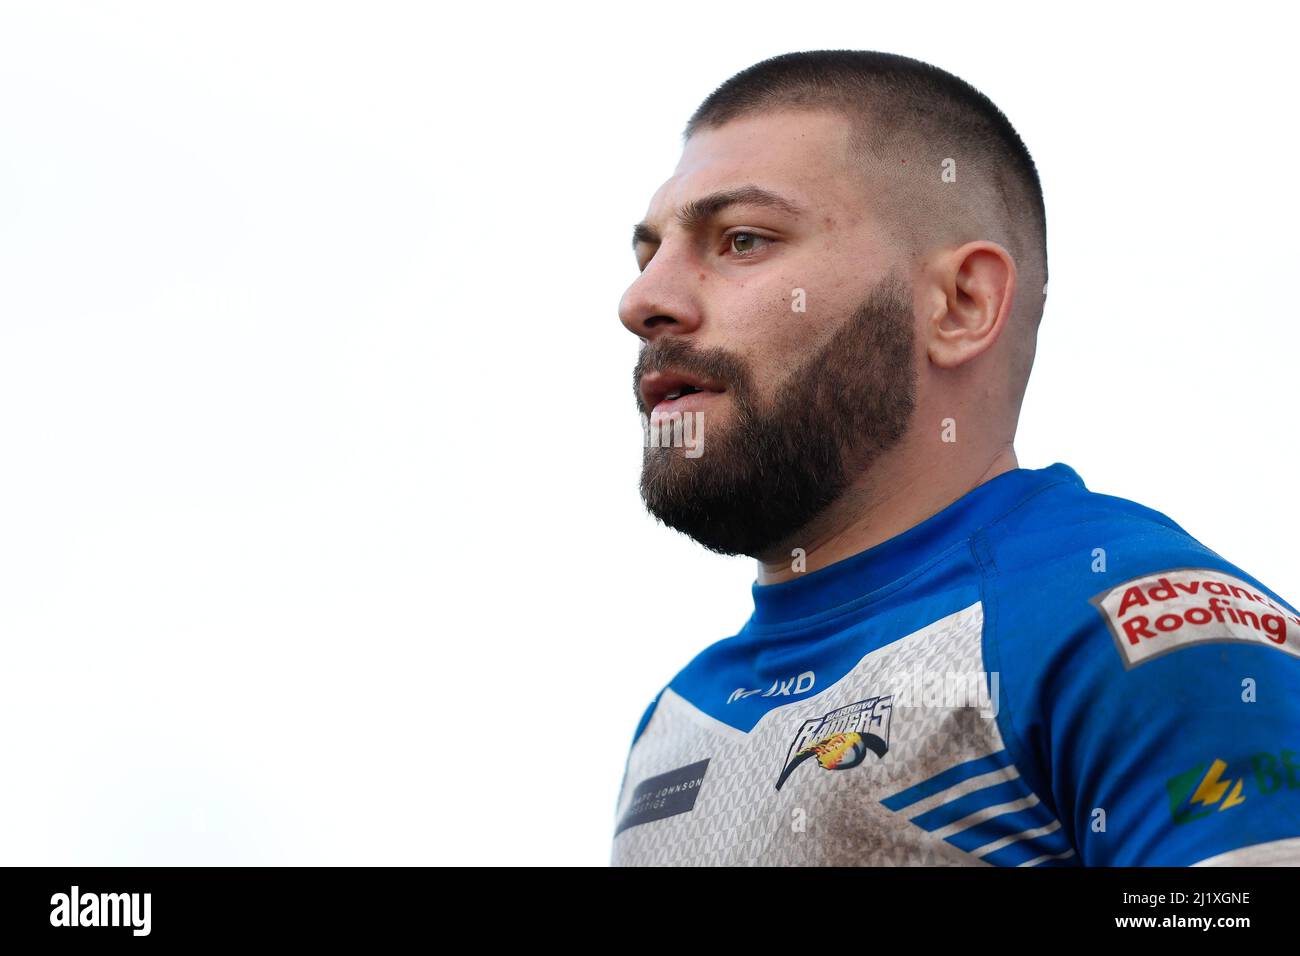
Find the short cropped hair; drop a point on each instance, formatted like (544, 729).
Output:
(911, 121)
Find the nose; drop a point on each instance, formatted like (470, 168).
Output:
(660, 301)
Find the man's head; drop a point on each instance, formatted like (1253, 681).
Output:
(852, 244)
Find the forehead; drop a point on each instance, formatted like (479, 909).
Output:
(803, 155)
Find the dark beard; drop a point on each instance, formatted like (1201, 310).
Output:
(772, 470)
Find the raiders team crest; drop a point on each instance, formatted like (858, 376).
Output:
(841, 739)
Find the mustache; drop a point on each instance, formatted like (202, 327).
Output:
(669, 352)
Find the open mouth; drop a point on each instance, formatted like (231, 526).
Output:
(678, 393)
(666, 390)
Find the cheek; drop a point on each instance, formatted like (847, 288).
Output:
(764, 322)
(774, 325)
(746, 315)
(775, 308)
(805, 317)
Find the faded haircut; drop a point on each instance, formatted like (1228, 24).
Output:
(911, 121)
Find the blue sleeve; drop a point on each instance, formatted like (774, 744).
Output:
(1151, 698)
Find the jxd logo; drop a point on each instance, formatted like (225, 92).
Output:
(800, 684)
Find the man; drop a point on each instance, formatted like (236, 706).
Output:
(951, 659)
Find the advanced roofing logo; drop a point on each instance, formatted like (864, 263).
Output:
(1163, 612)
(841, 739)
(1212, 789)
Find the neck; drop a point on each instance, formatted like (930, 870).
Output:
(901, 490)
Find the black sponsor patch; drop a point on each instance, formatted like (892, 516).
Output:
(666, 795)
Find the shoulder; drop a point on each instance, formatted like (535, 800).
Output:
(1133, 659)
(1070, 559)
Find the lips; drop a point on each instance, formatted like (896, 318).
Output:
(669, 390)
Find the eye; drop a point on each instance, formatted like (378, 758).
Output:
(744, 244)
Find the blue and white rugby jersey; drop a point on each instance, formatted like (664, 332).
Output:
(1038, 675)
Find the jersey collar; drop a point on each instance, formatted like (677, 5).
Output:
(867, 571)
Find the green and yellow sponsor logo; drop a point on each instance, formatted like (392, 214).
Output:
(1215, 787)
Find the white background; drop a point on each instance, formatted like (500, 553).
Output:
(319, 533)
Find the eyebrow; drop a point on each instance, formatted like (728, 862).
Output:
(699, 211)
